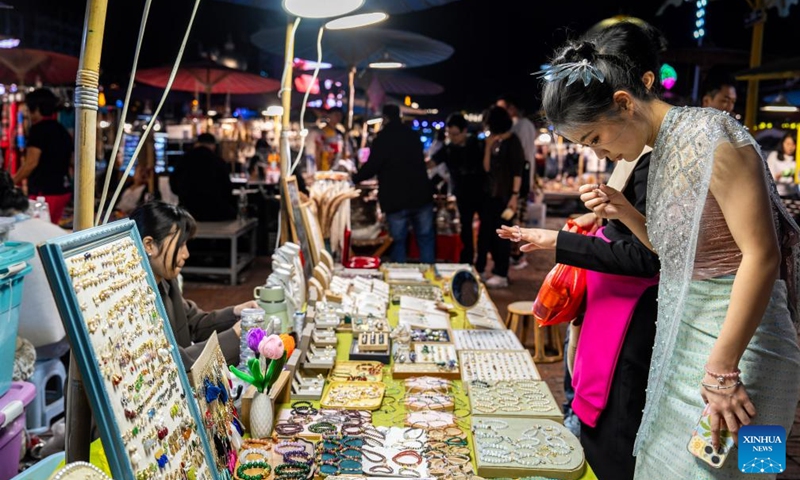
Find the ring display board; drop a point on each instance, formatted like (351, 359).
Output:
(127, 355)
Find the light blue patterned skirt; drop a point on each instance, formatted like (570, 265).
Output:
(770, 370)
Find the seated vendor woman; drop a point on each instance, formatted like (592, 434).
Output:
(165, 229)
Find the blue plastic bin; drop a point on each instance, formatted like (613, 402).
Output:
(43, 469)
(14, 266)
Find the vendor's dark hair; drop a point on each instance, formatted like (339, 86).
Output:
(12, 199)
(457, 120)
(715, 79)
(43, 100)
(781, 155)
(498, 120)
(623, 53)
(159, 219)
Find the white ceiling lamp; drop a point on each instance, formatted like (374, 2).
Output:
(321, 8)
(780, 105)
(356, 21)
(386, 62)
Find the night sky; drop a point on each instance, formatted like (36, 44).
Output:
(497, 43)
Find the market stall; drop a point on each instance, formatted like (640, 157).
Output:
(404, 371)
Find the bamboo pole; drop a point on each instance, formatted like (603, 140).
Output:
(755, 61)
(78, 412)
(351, 83)
(286, 102)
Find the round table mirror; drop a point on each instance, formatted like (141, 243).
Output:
(465, 289)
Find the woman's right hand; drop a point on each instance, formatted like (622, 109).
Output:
(588, 221)
(534, 238)
(605, 201)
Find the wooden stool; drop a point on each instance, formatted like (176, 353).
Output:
(551, 335)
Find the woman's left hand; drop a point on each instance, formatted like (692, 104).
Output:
(237, 310)
(735, 409)
(535, 238)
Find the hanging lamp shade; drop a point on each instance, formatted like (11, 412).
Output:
(321, 8)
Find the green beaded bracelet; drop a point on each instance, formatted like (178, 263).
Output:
(264, 466)
(322, 427)
(292, 468)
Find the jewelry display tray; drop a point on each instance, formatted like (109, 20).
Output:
(393, 446)
(377, 356)
(486, 340)
(490, 365)
(344, 368)
(570, 471)
(409, 369)
(550, 410)
(81, 307)
(299, 381)
(371, 404)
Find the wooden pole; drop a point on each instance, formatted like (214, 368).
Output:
(78, 412)
(757, 43)
(286, 102)
(351, 79)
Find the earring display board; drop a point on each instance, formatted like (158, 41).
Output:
(517, 398)
(491, 366)
(525, 448)
(486, 340)
(296, 224)
(123, 343)
(210, 380)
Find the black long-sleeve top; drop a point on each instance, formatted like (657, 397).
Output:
(625, 254)
(396, 158)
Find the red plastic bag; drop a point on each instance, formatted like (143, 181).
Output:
(561, 294)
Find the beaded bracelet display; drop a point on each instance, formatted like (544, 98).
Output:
(243, 467)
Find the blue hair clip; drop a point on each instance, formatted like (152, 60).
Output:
(572, 71)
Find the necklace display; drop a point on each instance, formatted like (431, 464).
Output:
(491, 366)
(519, 397)
(486, 340)
(138, 365)
(522, 447)
(395, 452)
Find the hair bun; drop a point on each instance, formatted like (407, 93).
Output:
(581, 51)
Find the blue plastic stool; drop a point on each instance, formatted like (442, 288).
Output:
(43, 469)
(49, 377)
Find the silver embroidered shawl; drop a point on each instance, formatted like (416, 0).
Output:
(677, 187)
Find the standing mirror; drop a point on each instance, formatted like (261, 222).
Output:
(465, 289)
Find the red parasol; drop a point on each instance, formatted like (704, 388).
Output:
(209, 77)
(27, 66)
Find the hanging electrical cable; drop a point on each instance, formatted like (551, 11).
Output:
(303, 130)
(157, 110)
(120, 131)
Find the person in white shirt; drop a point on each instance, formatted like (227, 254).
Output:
(782, 165)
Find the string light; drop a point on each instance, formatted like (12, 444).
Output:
(700, 31)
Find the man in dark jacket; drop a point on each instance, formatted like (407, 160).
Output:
(404, 192)
(203, 184)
